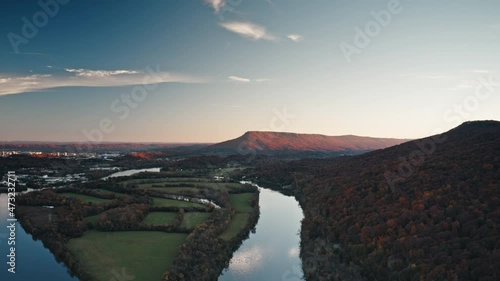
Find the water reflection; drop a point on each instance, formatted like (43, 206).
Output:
(248, 260)
(272, 253)
(132, 172)
(33, 261)
(293, 252)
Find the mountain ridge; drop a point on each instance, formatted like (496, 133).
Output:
(422, 210)
(275, 142)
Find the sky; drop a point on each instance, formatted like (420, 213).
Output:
(210, 70)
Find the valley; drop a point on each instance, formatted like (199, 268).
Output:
(192, 219)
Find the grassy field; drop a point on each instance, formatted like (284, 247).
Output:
(225, 186)
(162, 202)
(241, 202)
(174, 189)
(238, 222)
(165, 180)
(191, 220)
(112, 192)
(84, 198)
(158, 218)
(145, 255)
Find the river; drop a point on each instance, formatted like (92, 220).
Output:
(271, 253)
(132, 172)
(33, 260)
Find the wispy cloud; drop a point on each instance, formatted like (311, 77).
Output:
(249, 30)
(217, 5)
(464, 85)
(432, 76)
(296, 37)
(29, 54)
(99, 73)
(239, 79)
(482, 71)
(246, 80)
(226, 105)
(16, 84)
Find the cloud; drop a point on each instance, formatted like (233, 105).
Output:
(249, 30)
(482, 71)
(16, 84)
(464, 85)
(432, 76)
(239, 79)
(247, 260)
(29, 54)
(217, 5)
(246, 80)
(99, 73)
(226, 105)
(296, 37)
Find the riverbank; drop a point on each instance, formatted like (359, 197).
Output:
(225, 203)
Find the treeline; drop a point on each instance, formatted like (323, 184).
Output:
(205, 255)
(422, 210)
(202, 257)
(55, 234)
(122, 219)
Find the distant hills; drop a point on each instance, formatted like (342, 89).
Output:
(255, 142)
(288, 143)
(428, 209)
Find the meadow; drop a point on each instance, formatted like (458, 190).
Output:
(106, 254)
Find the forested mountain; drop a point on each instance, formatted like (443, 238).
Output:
(280, 143)
(423, 210)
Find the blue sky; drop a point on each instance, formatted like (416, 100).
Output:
(207, 71)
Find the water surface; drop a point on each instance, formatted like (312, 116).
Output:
(272, 252)
(33, 260)
(132, 172)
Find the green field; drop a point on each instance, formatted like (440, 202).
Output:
(174, 190)
(160, 218)
(191, 220)
(84, 198)
(164, 180)
(237, 224)
(198, 185)
(111, 192)
(145, 255)
(241, 202)
(163, 202)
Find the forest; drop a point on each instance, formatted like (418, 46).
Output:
(438, 221)
(59, 217)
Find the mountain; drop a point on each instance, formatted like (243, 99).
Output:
(428, 209)
(282, 143)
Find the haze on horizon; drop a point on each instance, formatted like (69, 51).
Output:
(210, 70)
